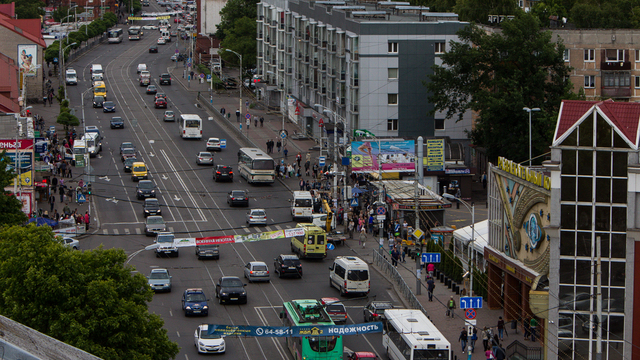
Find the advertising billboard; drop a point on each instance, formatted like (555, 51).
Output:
(392, 155)
(28, 59)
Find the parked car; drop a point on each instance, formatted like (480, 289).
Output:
(256, 271)
(231, 288)
(117, 122)
(213, 144)
(154, 224)
(169, 116)
(336, 310)
(70, 242)
(208, 343)
(194, 302)
(153, 49)
(159, 280)
(151, 207)
(161, 103)
(223, 172)
(145, 189)
(374, 310)
(256, 217)
(238, 197)
(204, 158)
(208, 251)
(286, 264)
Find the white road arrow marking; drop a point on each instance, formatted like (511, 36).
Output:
(176, 198)
(151, 154)
(164, 177)
(106, 178)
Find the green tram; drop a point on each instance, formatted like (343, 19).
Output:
(305, 313)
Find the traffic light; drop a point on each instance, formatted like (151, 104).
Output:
(89, 188)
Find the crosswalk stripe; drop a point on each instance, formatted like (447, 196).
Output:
(115, 232)
(138, 231)
(288, 226)
(105, 232)
(278, 227)
(246, 229)
(170, 229)
(126, 231)
(268, 228)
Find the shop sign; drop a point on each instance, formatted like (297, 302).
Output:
(457, 171)
(525, 173)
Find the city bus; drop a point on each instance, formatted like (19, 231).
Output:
(410, 335)
(115, 36)
(190, 126)
(256, 166)
(134, 33)
(305, 313)
(100, 89)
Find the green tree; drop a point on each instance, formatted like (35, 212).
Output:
(27, 9)
(10, 207)
(496, 75)
(233, 11)
(91, 299)
(241, 38)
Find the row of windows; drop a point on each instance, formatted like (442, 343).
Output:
(611, 80)
(439, 47)
(612, 55)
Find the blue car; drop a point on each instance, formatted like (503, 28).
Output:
(117, 122)
(108, 106)
(194, 302)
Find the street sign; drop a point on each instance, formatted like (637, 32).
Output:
(81, 199)
(223, 143)
(248, 122)
(283, 134)
(474, 302)
(321, 160)
(177, 51)
(320, 122)
(470, 314)
(330, 246)
(247, 116)
(381, 210)
(417, 233)
(430, 257)
(362, 133)
(381, 217)
(354, 202)
(201, 76)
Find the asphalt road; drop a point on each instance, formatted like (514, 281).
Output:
(193, 206)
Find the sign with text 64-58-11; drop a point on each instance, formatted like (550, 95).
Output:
(471, 302)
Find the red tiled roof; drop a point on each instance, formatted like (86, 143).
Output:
(24, 27)
(8, 9)
(624, 116)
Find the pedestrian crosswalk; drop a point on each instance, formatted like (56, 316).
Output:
(139, 230)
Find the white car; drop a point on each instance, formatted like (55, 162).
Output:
(213, 144)
(256, 217)
(149, 27)
(161, 41)
(208, 344)
(71, 242)
(256, 271)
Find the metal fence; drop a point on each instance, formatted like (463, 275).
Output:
(74, 54)
(380, 261)
(519, 351)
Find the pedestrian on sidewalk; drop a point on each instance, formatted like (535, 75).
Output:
(534, 328)
(463, 339)
(405, 250)
(255, 121)
(485, 338)
(527, 330)
(261, 121)
(279, 145)
(238, 115)
(392, 243)
(286, 152)
(514, 325)
(301, 184)
(488, 354)
(395, 255)
(65, 210)
(362, 238)
(54, 184)
(431, 285)
(52, 200)
(431, 268)
(350, 227)
(499, 353)
(500, 328)
(87, 219)
(222, 111)
(474, 338)
(307, 164)
(370, 224)
(299, 158)
(451, 305)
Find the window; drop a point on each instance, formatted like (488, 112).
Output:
(589, 81)
(566, 55)
(615, 55)
(615, 79)
(393, 73)
(637, 55)
(393, 48)
(392, 124)
(439, 124)
(392, 99)
(590, 55)
(440, 47)
(637, 82)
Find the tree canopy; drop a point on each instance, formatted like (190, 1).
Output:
(10, 207)
(496, 75)
(90, 299)
(27, 9)
(237, 31)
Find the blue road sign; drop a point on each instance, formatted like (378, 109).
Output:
(354, 202)
(321, 160)
(223, 143)
(247, 116)
(330, 246)
(430, 257)
(81, 198)
(381, 210)
(471, 302)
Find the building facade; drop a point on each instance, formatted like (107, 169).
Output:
(364, 63)
(594, 218)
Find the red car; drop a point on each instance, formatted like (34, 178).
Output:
(161, 103)
(363, 355)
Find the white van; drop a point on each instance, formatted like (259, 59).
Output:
(71, 77)
(321, 221)
(94, 145)
(350, 275)
(97, 73)
(166, 35)
(142, 67)
(302, 205)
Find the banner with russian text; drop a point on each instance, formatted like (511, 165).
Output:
(294, 331)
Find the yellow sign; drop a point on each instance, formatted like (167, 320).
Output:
(418, 233)
(523, 172)
(434, 159)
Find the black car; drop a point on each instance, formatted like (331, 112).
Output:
(108, 106)
(153, 49)
(151, 207)
(98, 101)
(165, 79)
(194, 302)
(223, 172)
(145, 189)
(231, 288)
(374, 311)
(238, 197)
(208, 251)
(287, 265)
(117, 122)
(128, 163)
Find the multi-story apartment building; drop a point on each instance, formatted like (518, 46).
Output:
(365, 62)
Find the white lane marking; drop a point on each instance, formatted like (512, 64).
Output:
(268, 228)
(138, 231)
(171, 229)
(115, 232)
(246, 229)
(105, 232)
(126, 231)
(278, 227)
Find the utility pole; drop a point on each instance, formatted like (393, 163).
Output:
(416, 202)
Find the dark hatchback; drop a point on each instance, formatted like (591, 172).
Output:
(153, 49)
(165, 79)
(285, 265)
(98, 101)
(145, 189)
(128, 163)
(238, 197)
(231, 288)
(151, 207)
(161, 103)
(108, 106)
(223, 173)
(207, 251)
(117, 122)
(194, 302)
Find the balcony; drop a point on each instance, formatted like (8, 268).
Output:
(315, 62)
(324, 67)
(289, 70)
(267, 40)
(289, 49)
(342, 77)
(280, 46)
(615, 65)
(332, 48)
(354, 108)
(306, 59)
(355, 56)
(299, 76)
(282, 26)
(354, 82)
(323, 44)
(323, 90)
(306, 80)
(281, 67)
(315, 85)
(616, 92)
(259, 36)
(259, 55)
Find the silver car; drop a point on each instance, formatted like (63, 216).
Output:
(155, 224)
(169, 116)
(256, 271)
(204, 158)
(70, 242)
(257, 217)
(159, 280)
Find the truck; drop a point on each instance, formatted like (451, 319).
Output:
(166, 245)
(334, 236)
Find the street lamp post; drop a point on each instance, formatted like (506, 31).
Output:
(62, 68)
(530, 111)
(281, 96)
(60, 49)
(335, 144)
(240, 76)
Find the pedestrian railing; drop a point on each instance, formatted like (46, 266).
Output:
(381, 262)
(517, 350)
(81, 50)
